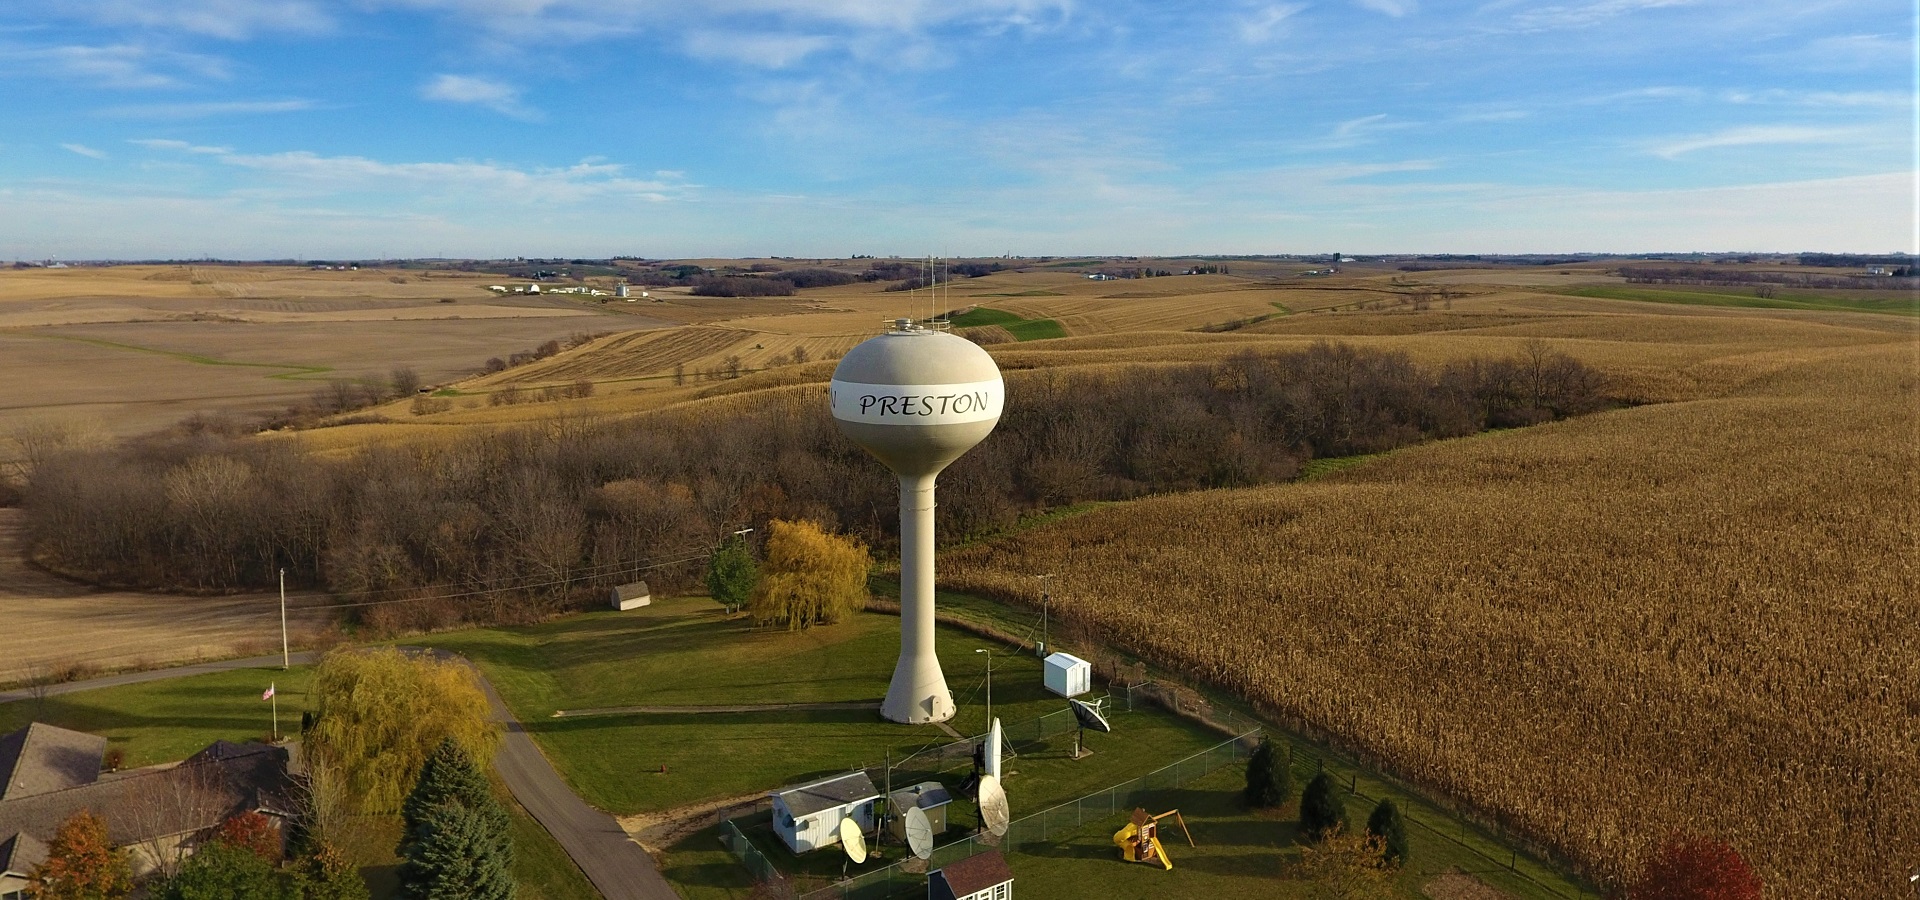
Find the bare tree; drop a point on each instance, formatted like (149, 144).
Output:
(405, 381)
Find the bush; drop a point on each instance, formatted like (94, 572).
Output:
(810, 577)
(732, 575)
(1390, 828)
(1269, 776)
(219, 871)
(1322, 812)
(1696, 868)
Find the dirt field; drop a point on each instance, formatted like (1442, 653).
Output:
(53, 624)
(130, 349)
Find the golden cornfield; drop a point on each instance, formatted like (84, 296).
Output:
(1700, 614)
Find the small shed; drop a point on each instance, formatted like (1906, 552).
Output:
(930, 796)
(983, 876)
(1068, 675)
(620, 290)
(632, 596)
(807, 817)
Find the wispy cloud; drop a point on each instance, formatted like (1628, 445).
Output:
(226, 19)
(769, 51)
(1353, 133)
(588, 179)
(1752, 135)
(498, 96)
(1584, 15)
(1394, 8)
(85, 151)
(1854, 52)
(1267, 23)
(112, 66)
(205, 110)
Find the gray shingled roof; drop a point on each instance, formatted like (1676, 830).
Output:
(20, 853)
(138, 806)
(969, 876)
(41, 759)
(807, 799)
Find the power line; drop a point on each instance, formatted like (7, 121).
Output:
(501, 590)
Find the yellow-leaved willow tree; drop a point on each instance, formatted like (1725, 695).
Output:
(382, 712)
(810, 577)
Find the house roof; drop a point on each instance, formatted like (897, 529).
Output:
(840, 790)
(926, 795)
(632, 591)
(969, 876)
(41, 758)
(213, 785)
(20, 853)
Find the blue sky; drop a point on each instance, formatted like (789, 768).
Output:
(332, 128)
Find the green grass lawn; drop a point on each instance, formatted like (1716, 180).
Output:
(683, 652)
(163, 721)
(1022, 329)
(1743, 297)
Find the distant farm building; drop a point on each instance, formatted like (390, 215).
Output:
(632, 596)
(983, 876)
(807, 817)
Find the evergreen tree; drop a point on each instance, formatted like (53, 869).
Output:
(731, 574)
(1390, 827)
(1269, 776)
(458, 854)
(1322, 812)
(457, 843)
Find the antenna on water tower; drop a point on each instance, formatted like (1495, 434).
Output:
(917, 399)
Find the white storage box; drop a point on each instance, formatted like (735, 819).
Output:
(1068, 675)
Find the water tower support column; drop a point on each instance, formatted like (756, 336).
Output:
(918, 694)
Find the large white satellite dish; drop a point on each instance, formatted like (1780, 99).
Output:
(993, 805)
(919, 832)
(853, 840)
(993, 748)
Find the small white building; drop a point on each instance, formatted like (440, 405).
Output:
(930, 796)
(807, 817)
(1068, 675)
(983, 876)
(632, 596)
(620, 290)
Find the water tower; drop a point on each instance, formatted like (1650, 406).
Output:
(916, 399)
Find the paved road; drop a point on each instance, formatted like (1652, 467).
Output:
(617, 866)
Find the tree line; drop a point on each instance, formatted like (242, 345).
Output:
(519, 520)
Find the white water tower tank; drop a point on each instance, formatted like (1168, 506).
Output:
(917, 399)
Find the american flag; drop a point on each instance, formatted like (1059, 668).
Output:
(268, 694)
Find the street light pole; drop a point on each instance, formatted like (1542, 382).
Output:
(989, 654)
(1045, 599)
(286, 658)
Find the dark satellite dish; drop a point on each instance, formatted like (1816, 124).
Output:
(1089, 716)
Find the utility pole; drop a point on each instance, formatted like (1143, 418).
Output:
(286, 658)
(1045, 599)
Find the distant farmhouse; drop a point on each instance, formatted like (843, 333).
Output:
(158, 814)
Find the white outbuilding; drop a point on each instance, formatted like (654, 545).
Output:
(807, 817)
(632, 596)
(931, 797)
(1068, 675)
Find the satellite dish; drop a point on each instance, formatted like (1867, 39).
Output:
(993, 748)
(1089, 716)
(919, 832)
(854, 842)
(993, 805)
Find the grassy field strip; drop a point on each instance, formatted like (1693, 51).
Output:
(1022, 329)
(290, 372)
(1702, 296)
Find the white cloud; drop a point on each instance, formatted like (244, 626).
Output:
(1851, 52)
(85, 151)
(1583, 15)
(228, 19)
(1751, 135)
(497, 96)
(1266, 24)
(205, 110)
(770, 51)
(1829, 99)
(1394, 8)
(461, 179)
(113, 66)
